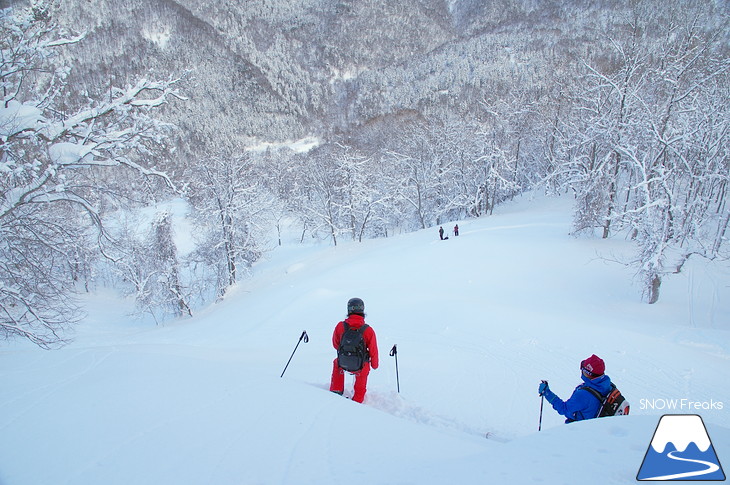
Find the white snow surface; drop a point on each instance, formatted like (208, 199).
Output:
(69, 153)
(479, 320)
(17, 117)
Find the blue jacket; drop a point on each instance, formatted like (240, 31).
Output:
(582, 404)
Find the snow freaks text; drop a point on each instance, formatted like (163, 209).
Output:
(688, 405)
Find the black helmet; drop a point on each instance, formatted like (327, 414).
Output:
(355, 305)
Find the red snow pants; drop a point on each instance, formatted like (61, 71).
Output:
(337, 384)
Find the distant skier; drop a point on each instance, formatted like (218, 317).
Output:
(441, 233)
(582, 403)
(456, 230)
(357, 350)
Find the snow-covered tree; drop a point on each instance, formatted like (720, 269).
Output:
(674, 160)
(234, 211)
(364, 197)
(151, 264)
(55, 163)
(322, 192)
(646, 149)
(424, 174)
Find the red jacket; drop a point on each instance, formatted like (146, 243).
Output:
(357, 321)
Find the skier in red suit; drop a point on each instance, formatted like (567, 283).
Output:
(355, 319)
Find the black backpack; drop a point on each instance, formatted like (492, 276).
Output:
(612, 404)
(352, 353)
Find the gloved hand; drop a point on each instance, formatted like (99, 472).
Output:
(543, 389)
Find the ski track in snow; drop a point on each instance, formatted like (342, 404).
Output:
(393, 404)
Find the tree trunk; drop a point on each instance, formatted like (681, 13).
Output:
(655, 283)
(611, 196)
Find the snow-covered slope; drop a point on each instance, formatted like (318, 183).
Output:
(479, 320)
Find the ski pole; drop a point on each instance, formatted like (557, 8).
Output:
(542, 400)
(394, 353)
(304, 337)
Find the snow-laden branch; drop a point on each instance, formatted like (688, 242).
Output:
(65, 41)
(52, 130)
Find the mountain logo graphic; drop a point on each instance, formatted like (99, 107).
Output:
(681, 450)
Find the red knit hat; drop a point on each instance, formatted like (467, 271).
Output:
(593, 365)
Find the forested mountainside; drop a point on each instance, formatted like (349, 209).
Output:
(273, 70)
(407, 114)
(280, 69)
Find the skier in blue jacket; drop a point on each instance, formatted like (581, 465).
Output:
(582, 403)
